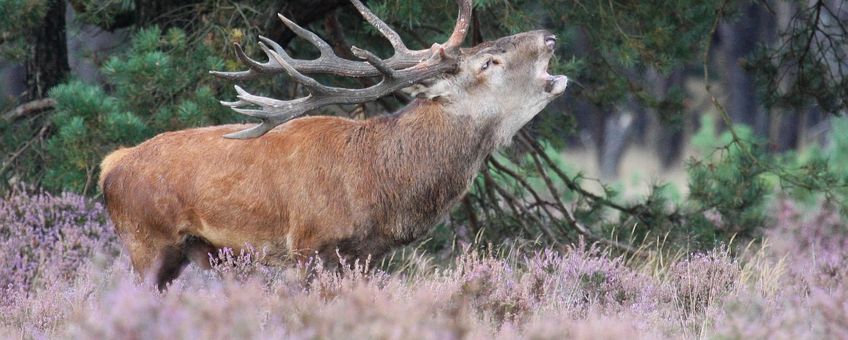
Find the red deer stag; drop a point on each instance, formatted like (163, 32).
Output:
(317, 185)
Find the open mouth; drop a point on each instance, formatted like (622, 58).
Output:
(554, 84)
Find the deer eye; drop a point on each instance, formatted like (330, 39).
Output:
(486, 65)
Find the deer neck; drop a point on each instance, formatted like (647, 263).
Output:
(426, 160)
(433, 136)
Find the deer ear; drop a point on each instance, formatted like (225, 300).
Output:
(429, 88)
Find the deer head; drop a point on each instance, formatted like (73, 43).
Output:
(503, 81)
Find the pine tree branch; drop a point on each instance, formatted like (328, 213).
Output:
(538, 153)
(728, 122)
(520, 179)
(569, 182)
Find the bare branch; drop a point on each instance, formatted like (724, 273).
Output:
(7, 164)
(34, 106)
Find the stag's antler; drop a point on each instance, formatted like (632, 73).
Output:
(329, 62)
(403, 69)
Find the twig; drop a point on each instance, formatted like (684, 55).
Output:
(24, 109)
(8, 162)
(568, 216)
(523, 183)
(724, 116)
(489, 193)
(511, 199)
(472, 217)
(536, 153)
(343, 49)
(570, 183)
(490, 186)
(809, 44)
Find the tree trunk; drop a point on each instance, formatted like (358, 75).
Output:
(47, 61)
(737, 41)
(668, 137)
(618, 128)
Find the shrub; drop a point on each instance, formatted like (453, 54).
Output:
(48, 237)
(159, 83)
(579, 292)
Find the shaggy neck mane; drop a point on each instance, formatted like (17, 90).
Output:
(425, 159)
(426, 134)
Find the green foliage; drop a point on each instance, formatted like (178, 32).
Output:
(729, 191)
(836, 153)
(19, 17)
(808, 67)
(103, 13)
(819, 172)
(160, 83)
(732, 191)
(82, 111)
(634, 33)
(625, 36)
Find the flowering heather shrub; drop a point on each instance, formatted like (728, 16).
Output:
(811, 299)
(46, 238)
(69, 280)
(817, 244)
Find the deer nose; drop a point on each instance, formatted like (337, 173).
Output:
(550, 42)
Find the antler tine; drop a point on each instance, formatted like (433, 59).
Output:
(253, 132)
(313, 85)
(255, 68)
(269, 105)
(247, 98)
(380, 25)
(329, 62)
(403, 69)
(274, 45)
(275, 112)
(252, 64)
(460, 30)
(375, 61)
(313, 38)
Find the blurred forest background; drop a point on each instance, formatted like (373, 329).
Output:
(686, 120)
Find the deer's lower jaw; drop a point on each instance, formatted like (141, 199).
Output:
(556, 85)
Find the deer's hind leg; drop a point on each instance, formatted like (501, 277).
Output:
(197, 251)
(173, 259)
(169, 264)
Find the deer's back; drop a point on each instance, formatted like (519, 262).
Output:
(289, 188)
